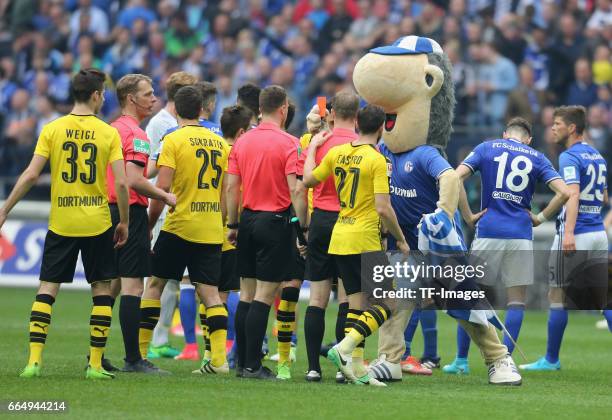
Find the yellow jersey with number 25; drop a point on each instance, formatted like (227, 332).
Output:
(359, 173)
(79, 149)
(199, 159)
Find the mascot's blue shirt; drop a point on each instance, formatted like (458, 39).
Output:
(414, 187)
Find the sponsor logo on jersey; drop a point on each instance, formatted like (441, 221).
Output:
(142, 146)
(402, 192)
(500, 195)
(590, 209)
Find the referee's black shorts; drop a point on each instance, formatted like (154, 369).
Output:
(230, 280)
(60, 255)
(264, 245)
(171, 254)
(320, 265)
(133, 260)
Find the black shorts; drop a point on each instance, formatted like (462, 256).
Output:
(61, 252)
(134, 258)
(320, 265)
(171, 254)
(230, 281)
(356, 272)
(264, 245)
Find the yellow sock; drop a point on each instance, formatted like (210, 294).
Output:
(149, 315)
(40, 318)
(285, 325)
(367, 324)
(99, 328)
(348, 344)
(216, 318)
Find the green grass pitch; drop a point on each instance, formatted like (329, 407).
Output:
(582, 389)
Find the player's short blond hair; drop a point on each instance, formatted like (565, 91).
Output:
(128, 85)
(178, 80)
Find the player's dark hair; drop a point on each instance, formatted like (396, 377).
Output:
(272, 98)
(128, 85)
(188, 102)
(519, 123)
(573, 114)
(248, 95)
(208, 91)
(370, 118)
(85, 83)
(234, 118)
(346, 105)
(176, 81)
(290, 115)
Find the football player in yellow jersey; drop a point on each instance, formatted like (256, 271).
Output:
(191, 165)
(360, 175)
(79, 148)
(235, 120)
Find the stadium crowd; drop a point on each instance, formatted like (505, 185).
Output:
(510, 58)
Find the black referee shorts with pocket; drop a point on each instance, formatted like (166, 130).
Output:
(320, 265)
(264, 245)
(60, 255)
(133, 260)
(171, 254)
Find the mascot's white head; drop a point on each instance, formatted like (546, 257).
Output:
(411, 80)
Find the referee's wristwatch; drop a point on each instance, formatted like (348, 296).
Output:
(233, 225)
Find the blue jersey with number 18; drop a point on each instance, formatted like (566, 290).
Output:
(509, 171)
(582, 164)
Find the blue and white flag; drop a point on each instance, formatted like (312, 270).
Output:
(440, 240)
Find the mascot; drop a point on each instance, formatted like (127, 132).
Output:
(411, 80)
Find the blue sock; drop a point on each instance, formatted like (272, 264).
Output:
(514, 320)
(607, 313)
(410, 330)
(430, 333)
(294, 339)
(463, 343)
(557, 321)
(232, 304)
(188, 310)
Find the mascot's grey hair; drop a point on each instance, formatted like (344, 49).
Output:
(442, 105)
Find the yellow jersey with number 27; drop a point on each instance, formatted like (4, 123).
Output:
(359, 173)
(199, 159)
(79, 149)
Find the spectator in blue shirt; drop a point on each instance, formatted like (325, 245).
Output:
(582, 91)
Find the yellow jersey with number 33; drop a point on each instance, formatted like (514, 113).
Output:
(79, 149)
(359, 173)
(199, 159)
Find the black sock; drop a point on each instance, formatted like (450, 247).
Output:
(242, 311)
(129, 318)
(340, 320)
(256, 325)
(314, 329)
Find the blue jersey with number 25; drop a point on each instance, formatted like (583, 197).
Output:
(582, 164)
(509, 171)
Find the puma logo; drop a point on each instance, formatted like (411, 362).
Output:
(100, 330)
(42, 327)
(367, 317)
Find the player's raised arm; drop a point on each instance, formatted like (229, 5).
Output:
(25, 182)
(310, 180)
